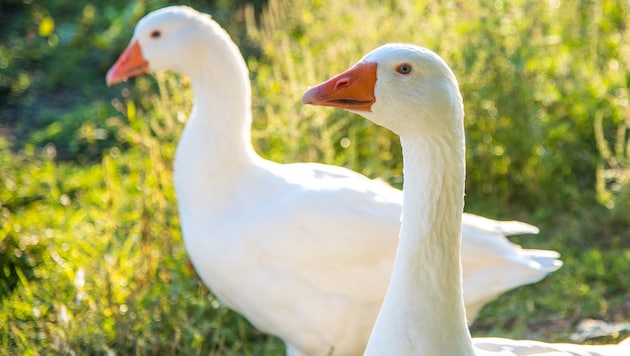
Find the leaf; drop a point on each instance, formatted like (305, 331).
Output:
(46, 26)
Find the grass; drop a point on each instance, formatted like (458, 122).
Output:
(91, 251)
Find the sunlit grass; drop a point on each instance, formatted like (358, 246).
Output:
(91, 248)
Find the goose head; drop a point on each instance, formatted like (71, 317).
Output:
(406, 88)
(173, 38)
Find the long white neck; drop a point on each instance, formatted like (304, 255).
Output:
(423, 311)
(216, 144)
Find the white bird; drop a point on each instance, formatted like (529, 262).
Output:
(304, 251)
(413, 92)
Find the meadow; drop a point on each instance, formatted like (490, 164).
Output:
(91, 255)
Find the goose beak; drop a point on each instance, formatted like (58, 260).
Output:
(129, 64)
(351, 90)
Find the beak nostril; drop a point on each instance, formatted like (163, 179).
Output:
(342, 83)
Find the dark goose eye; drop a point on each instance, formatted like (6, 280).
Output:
(156, 34)
(404, 68)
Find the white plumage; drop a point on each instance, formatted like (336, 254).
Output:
(304, 251)
(411, 91)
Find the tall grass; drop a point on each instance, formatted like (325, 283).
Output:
(92, 255)
(112, 273)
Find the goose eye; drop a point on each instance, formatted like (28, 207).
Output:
(156, 34)
(404, 68)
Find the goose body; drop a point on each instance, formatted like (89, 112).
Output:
(413, 92)
(304, 251)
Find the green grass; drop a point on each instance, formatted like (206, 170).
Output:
(90, 247)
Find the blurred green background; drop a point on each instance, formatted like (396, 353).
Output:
(91, 256)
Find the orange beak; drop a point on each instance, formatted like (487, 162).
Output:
(350, 90)
(129, 64)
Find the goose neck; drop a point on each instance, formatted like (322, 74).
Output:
(221, 112)
(215, 149)
(423, 312)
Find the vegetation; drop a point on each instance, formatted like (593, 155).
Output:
(90, 247)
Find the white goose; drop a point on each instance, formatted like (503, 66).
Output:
(304, 251)
(412, 91)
